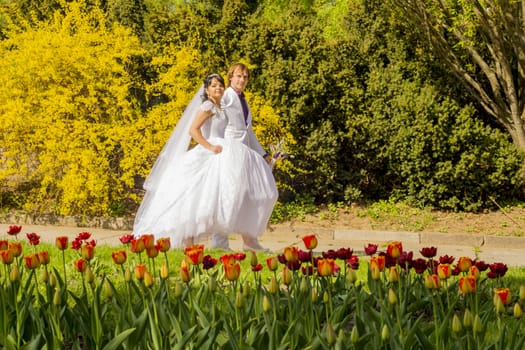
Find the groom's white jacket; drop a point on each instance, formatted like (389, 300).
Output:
(237, 128)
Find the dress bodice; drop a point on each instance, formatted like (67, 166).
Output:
(214, 127)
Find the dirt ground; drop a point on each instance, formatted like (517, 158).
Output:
(505, 222)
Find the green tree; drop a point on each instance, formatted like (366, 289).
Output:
(482, 43)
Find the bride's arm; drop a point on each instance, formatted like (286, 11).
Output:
(195, 131)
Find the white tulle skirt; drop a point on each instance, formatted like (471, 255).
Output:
(230, 192)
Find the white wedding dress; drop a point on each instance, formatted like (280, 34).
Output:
(203, 193)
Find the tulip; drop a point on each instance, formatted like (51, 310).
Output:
(164, 273)
(272, 288)
(178, 289)
(326, 297)
(375, 273)
(287, 276)
(314, 295)
(61, 242)
(474, 271)
(119, 257)
(253, 259)
(4, 244)
(56, 297)
(43, 256)
(444, 271)
(291, 254)
(195, 253)
(246, 289)
(331, 337)
(303, 287)
(497, 270)
(498, 303)
(467, 284)
(127, 274)
(232, 271)
(149, 240)
(148, 280)
(163, 244)
(257, 267)
(137, 246)
(7, 256)
(379, 261)
(90, 277)
(239, 300)
(152, 252)
(44, 276)
(88, 251)
(14, 230)
(267, 306)
(371, 249)
(310, 242)
(140, 269)
(464, 263)
(393, 274)
(522, 292)
(14, 274)
(184, 272)
(518, 312)
(428, 252)
(33, 238)
(432, 281)
(477, 325)
(385, 333)
(80, 265)
(395, 249)
(108, 289)
(456, 324)
(32, 261)
(392, 297)
(272, 263)
(467, 318)
(503, 294)
(325, 267)
(16, 248)
(125, 239)
(208, 262)
(354, 336)
(84, 236)
(52, 280)
(351, 276)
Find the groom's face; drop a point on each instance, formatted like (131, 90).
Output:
(239, 80)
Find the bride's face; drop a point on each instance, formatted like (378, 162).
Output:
(215, 91)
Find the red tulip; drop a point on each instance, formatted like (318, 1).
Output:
(14, 230)
(257, 267)
(272, 263)
(152, 252)
(467, 284)
(184, 271)
(137, 246)
(33, 238)
(125, 239)
(88, 251)
(140, 269)
(80, 265)
(371, 249)
(119, 257)
(503, 294)
(61, 242)
(497, 270)
(84, 236)
(428, 252)
(474, 271)
(208, 262)
(32, 261)
(310, 241)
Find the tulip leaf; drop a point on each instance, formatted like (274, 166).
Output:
(117, 341)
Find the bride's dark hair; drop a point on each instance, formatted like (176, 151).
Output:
(207, 82)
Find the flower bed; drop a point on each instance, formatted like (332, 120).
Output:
(140, 296)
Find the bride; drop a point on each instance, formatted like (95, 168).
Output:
(219, 186)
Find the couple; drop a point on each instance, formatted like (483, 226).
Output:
(222, 185)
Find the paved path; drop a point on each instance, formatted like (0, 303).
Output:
(509, 250)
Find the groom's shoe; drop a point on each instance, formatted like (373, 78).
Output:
(220, 242)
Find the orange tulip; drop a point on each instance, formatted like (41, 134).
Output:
(184, 271)
(62, 242)
(432, 281)
(88, 251)
(378, 261)
(444, 271)
(272, 263)
(137, 245)
(464, 263)
(16, 247)
(195, 253)
(310, 241)
(7, 256)
(152, 252)
(395, 249)
(4, 244)
(32, 261)
(80, 265)
(467, 284)
(43, 256)
(163, 244)
(325, 267)
(503, 294)
(474, 271)
(119, 257)
(232, 271)
(149, 240)
(291, 254)
(287, 276)
(140, 269)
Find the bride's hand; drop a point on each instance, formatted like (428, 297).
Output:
(216, 148)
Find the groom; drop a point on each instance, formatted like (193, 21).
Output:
(240, 128)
